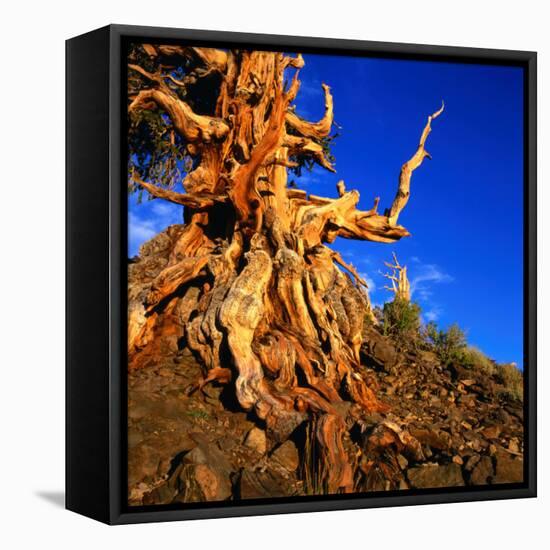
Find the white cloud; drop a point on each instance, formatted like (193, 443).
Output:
(427, 274)
(432, 314)
(140, 230)
(166, 213)
(150, 219)
(369, 281)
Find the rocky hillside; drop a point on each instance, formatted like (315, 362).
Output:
(447, 425)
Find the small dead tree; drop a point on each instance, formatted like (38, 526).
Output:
(251, 285)
(400, 284)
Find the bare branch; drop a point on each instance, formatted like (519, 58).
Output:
(195, 201)
(349, 267)
(296, 62)
(321, 219)
(314, 130)
(193, 127)
(210, 57)
(305, 147)
(341, 188)
(403, 190)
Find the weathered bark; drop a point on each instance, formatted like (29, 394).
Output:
(250, 285)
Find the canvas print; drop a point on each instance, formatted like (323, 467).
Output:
(325, 275)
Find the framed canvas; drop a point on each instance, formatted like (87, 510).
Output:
(301, 274)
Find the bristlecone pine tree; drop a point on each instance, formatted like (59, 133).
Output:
(251, 286)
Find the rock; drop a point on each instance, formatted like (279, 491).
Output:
(213, 484)
(472, 461)
(502, 416)
(280, 426)
(378, 350)
(513, 446)
(203, 474)
(491, 432)
(508, 469)
(474, 444)
(287, 456)
(207, 453)
(436, 440)
(200, 483)
(256, 440)
(423, 477)
(161, 495)
(482, 471)
(263, 484)
(458, 372)
(403, 484)
(402, 461)
(458, 460)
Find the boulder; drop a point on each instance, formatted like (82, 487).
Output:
(207, 453)
(264, 484)
(424, 477)
(435, 439)
(287, 456)
(482, 471)
(256, 440)
(402, 461)
(471, 462)
(199, 483)
(378, 350)
(508, 468)
(164, 494)
(491, 432)
(213, 484)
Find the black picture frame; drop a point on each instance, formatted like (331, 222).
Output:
(96, 234)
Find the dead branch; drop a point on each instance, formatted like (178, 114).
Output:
(193, 127)
(195, 201)
(314, 130)
(403, 190)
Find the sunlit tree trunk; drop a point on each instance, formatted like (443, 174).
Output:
(251, 286)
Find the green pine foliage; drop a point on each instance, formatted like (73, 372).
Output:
(401, 319)
(449, 345)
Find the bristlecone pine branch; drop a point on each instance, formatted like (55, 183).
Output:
(251, 286)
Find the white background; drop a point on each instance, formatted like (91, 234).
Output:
(32, 274)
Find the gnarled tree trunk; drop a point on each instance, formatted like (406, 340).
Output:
(251, 285)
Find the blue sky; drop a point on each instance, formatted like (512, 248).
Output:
(465, 255)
